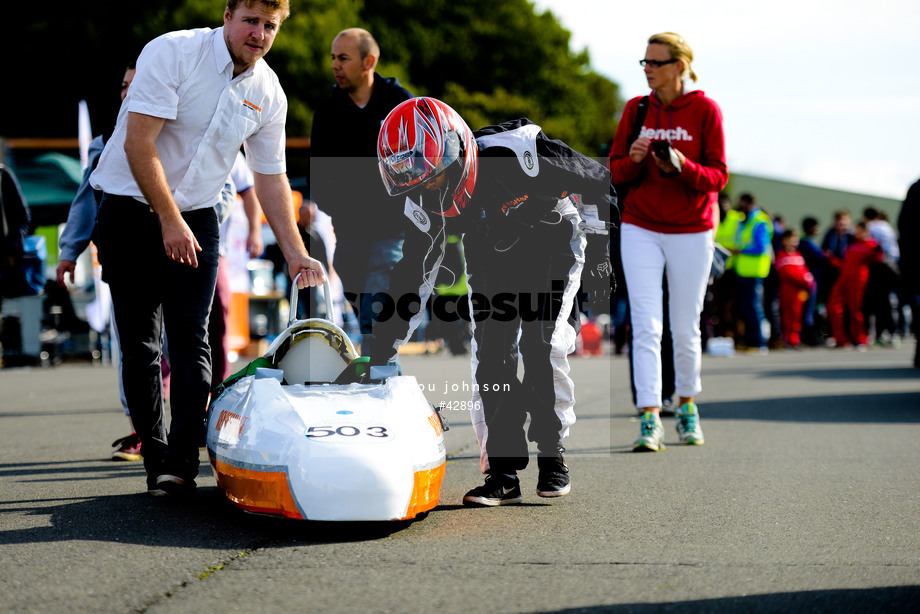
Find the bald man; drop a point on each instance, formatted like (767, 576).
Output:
(345, 182)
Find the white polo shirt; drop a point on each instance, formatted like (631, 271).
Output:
(186, 77)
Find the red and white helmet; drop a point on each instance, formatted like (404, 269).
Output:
(421, 139)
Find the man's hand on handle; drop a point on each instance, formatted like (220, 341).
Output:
(310, 270)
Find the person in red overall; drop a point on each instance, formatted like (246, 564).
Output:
(796, 284)
(847, 293)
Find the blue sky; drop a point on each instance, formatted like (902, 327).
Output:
(813, 91)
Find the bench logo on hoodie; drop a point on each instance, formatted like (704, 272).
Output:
(665, 134)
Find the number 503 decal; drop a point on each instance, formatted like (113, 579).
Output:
(347, 432)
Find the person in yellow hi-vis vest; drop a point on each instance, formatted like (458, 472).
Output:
(726, 234)
(752, 261)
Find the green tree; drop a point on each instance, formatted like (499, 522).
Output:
(497, 61)
(492, 61)
(80, 50)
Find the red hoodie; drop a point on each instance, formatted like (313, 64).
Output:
(681, 204)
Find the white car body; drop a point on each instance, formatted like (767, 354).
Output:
(314, 449)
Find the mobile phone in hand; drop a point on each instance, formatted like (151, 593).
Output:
(664, 151)
(660, 149)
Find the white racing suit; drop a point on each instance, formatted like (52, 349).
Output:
(525, 234)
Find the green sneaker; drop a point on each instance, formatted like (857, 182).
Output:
(688, 425)
(651, 434)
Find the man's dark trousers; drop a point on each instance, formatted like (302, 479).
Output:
(151, 294)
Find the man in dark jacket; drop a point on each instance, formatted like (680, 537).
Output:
(345, 182)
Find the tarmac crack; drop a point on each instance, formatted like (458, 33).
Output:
(453, 454)
(204, 575)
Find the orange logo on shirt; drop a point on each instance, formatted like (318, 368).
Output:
(252, 106)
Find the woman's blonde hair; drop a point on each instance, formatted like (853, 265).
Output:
(678, 48)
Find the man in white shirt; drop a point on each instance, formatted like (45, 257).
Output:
(198, 95)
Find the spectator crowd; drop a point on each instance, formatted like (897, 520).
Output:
(840, 288)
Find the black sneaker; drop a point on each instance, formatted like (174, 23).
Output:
(175, 486)
(152, 489)
(498, 490)
(553, 480)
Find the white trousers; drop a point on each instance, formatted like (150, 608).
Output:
(687, 260)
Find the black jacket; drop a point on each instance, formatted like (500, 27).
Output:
(344, 179)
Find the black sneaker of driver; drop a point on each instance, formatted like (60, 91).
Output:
(553, 480)
(498, 490)
(175, 486)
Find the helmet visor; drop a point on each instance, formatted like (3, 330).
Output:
(407, 169)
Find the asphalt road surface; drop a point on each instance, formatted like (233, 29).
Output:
(806, 497)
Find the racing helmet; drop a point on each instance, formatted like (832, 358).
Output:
(421, 139)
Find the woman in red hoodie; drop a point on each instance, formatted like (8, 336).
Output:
(675, 169)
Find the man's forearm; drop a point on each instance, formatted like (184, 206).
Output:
(145, 164)
(150, 178)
